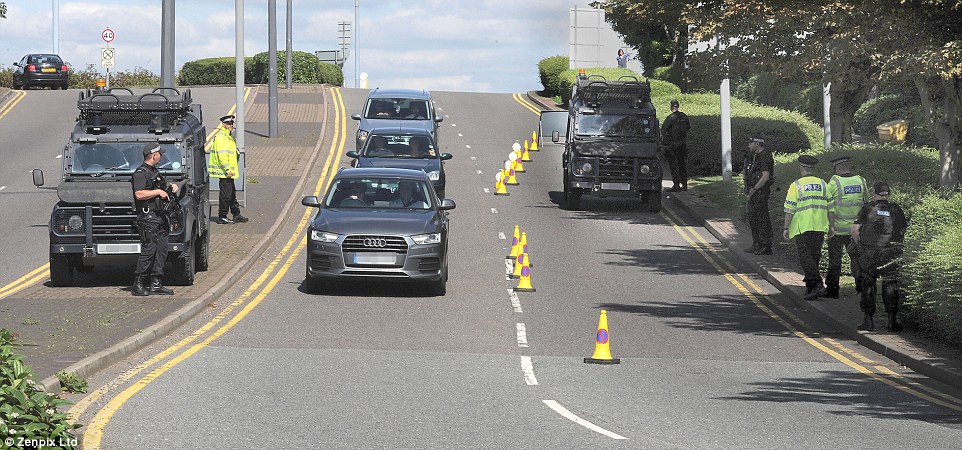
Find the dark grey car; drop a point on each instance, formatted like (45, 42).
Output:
(379, 223)
(404, 148)
(396, 108)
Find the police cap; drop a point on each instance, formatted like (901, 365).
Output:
(881, 188)
(841, 160)
(673, 103)
(808, 161)
(153, 147)
(228, 119)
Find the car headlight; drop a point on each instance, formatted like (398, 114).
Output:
(361, 135)
(75, 223)
(583, 169)
(434, 175)
(422, 239)
(323, 236)
(645, 169)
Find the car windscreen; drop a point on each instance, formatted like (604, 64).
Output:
(614, 125)
(379, 193)
(399, 146)
(121, 157)
(397, 109)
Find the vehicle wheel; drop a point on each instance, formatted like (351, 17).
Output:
(61, 271)
(183, 270)
(202, 252)
(654, 201)
(572, 197)
(16, 85)
(64, 86)
(24, 85)
(440, 287)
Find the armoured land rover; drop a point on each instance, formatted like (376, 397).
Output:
(611, 147)
(93, 223)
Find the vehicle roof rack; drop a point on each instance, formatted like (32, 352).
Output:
(596, 91)
(158, 109)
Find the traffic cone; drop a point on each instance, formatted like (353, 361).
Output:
(512, 180)
(524, 248)
(519, 262)
(524, 283)
(534, 141)
(524, 155)
(515, 158)
(515, 244)
(500, 188)
(602, 353)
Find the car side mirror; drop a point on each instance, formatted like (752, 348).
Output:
(555, 137)
(439, 119)
(352, 154)
(37, 177)
(447, 204)
(310, 200)
(446, 156)
(356, 116)
(17, 64)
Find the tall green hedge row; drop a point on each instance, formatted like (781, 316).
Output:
(210, 71)
(307, 69)
(549, 70)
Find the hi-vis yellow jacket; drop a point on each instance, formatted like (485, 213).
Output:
(223, 156)
(807, 200)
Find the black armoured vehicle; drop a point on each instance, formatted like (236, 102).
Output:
(93, 223)
(611, 147)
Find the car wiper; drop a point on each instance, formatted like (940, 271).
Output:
(104, 172)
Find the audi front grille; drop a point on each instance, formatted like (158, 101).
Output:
(372, 243)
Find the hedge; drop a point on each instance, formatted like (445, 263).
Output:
(211, 71)
(891, 107)
(549, 70)
(307, 69)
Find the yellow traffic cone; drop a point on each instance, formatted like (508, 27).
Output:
(602, 353)
(515, 244)
(524, 248)
(512, 180)
(524, 155)
(500, 188)
(524, 283)
(519, 262)
(534, 141)
(515, 158)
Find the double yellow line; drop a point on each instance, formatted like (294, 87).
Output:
(833, 348)
(17, 96)
(526, 104)
(273, 274)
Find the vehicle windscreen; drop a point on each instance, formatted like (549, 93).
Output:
(614, 125)
(98, 159)
(399, 146)
(397, 109)
(379, 193)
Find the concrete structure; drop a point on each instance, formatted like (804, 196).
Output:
(592, 42)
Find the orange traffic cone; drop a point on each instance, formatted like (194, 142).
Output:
(524, 155)
(519, 262)
(524, 283)
(500, 188)
(515, 244)
(602, 353)
(524, 248)
(512, 180)
(534, 141)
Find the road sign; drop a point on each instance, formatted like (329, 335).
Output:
(107, 57)
(107, 35)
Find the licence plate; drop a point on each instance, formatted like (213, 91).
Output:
(375, 258)
(117, 249)
(48, 69)
(616, 186)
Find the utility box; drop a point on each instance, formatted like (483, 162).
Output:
(894, 131)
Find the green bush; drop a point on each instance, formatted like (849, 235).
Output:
(767, 89)
(6, 77)
(891, 107)
(211, 71)
(549, 70)
(26, 411)
(307, 69)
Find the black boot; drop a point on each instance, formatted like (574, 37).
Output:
(868, 323)
(157, 288)
(894, 325)
(139, 289)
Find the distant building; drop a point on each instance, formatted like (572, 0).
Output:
(592, 42)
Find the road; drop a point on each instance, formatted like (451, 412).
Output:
(711, 356)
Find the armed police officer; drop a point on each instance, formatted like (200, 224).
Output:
(806, 221)
(223, 166)
(879, 230)
(152, 198)
(759, 174)
(674, 132)
(846, 195)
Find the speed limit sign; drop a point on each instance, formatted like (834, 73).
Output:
(107, 35)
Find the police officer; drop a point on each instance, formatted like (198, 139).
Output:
(151, 192)
(806, 220)
(846, 195)
(223, 165)
(674, 132)
(759, 173)
(879, 230)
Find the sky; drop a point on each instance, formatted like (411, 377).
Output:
(444, 45)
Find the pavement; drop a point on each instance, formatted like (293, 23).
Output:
(925, 356)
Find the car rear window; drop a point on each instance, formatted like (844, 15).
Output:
(45, 59)
(397, 108)
(399, 146)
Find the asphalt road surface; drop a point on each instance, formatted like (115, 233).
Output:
(711, 356)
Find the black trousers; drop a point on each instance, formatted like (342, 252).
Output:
(836, 244)
(809, 246)
(677, 155)
(227, 200)
(153, 249)
(756, 212)
(881, 263)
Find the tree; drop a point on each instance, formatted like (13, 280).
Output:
(3, 10)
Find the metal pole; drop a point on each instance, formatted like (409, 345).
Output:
(290, 23)
(56, 27)
(827, 113)
(167, 44)
(726, 130)
(239, 72)
(272, 68)
(357, 47)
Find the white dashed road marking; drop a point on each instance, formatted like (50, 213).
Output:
(515, 302)
(480, 173)
(522, 336)
(528, 370)
(487, 191)
(467, 146)
(494, 210)
(2, 188)
(570, 416)
(501, 235)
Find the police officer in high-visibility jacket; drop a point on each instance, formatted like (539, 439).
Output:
(879, 230)
(806, 220)
(223, 165)
(847, 193)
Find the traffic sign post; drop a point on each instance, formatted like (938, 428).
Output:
(107, 54)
